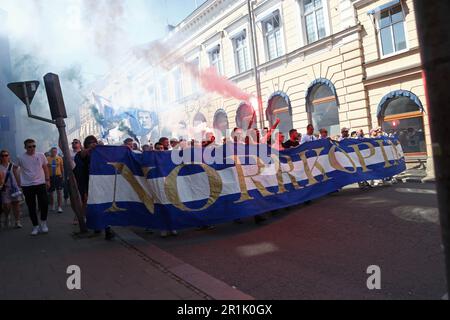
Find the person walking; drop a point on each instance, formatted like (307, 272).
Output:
(35, 180)
(309, 136)
(10, 192)
(344, 134)
(56, 171)
(323, 134)
(293, 141)
(81, 172)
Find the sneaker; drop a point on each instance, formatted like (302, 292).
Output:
(18, 225)
(35, 231)
(60, 210)
(109, 234)
(43, 227)
(164, 234)
(53, 208)
(259, 219)
(205, 228)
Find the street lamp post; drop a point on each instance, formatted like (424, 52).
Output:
(433, 27)
(25, 91)
(255, 62)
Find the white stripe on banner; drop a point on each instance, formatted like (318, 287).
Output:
(193, 187)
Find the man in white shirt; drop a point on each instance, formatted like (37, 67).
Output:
(344, 134)
(323, 134)
(35, 180)
(309, 136)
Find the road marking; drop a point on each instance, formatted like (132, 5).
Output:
(257, 249)
(412, 190)
(417, 214)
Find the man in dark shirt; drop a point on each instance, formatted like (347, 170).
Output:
(293, 140)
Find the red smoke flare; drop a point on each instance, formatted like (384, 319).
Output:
(157, 55)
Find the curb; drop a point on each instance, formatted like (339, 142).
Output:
(189, 276)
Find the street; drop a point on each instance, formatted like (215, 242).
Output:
(306, 252)
(123, 123)
(322, 250)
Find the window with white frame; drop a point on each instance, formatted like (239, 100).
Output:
(391, 30)
(314, 19)
(194, 78)
(163, 92)
(178, 84)
(215, 60)
(152, 96)
(273, 35)
(241, 52)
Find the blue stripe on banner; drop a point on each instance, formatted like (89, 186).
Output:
(225, 208)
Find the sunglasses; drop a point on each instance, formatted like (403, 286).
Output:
(4, 155)
(31, 147)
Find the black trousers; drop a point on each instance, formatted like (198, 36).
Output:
(39, 192)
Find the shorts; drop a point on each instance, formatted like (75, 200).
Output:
(56, 183)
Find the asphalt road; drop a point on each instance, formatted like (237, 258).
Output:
(323, 250)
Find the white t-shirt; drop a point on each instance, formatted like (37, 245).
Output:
(31, 171)
(307, 138)
(73, 153)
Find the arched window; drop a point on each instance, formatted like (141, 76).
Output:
(401, 115)
(199, 119)
(322, 106)
(221, 121)
(279, 106)
(245, 116)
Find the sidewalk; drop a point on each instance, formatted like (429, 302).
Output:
(126, 268)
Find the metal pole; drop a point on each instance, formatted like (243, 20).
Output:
(256, 63)
(27, 104)
(433, 27)
(75, 199)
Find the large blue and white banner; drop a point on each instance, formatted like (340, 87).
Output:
(196, 187)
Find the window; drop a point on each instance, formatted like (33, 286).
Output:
(215, 60)
(245, 117)
(194, 78)
(221, 122)
(164, 92)
(391, 30)
(314, 20)
(241, 52)
(272, 35)
(199, 120)
(279, 106)
(152, 97)
(178, 84)
(323, 109)
(402, 117)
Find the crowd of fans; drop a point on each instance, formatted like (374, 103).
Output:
(39, 176)
(270, 136)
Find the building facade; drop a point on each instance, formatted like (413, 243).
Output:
(332, 63)
(8, 102)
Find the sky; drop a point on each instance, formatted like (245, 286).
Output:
(92, 33)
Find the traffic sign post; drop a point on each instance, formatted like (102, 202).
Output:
(26, 91)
